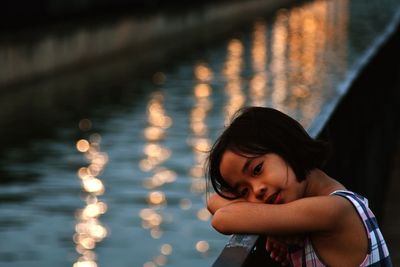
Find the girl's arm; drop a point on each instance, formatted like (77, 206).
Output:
(322, 213)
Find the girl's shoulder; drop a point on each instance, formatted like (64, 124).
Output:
(351, 196)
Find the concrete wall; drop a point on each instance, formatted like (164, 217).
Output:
(365, 126)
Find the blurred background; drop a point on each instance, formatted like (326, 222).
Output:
(107, 110)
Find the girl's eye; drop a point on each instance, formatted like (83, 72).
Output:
(257, 170)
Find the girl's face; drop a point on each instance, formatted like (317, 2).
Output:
(265, 179)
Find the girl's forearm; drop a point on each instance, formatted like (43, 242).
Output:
(305, 215)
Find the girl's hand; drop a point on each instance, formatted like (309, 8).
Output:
(277, 246)
(278, 250)
(291, 240)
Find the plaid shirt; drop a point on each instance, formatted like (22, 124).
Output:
(378, 254)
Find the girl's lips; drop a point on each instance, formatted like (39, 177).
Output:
(278, 199)
(274, 198)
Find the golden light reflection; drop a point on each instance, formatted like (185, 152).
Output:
(304, 45)
(166, 249)
(85, 263)
(203, 214)
(155, 154)
(93, 210)
(88, 229)
(314, 29)
(198, 186)
(199, 140)
(339, 29)
(202, 246)
(155, 132)
(150, 217)
(202, 90)
(156, 198)
(160, 260)
(93, 185)
(232, 73)
(185, 204)
(160, 177)
(82, 145)
(156, 233)
(153, 150)
(278, 61)
(258, 83)
(203, 73)
(156, 113)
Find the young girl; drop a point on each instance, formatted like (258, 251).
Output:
(265, 170)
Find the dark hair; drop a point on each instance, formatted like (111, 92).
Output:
(257, 131)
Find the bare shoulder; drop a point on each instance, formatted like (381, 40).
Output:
(346, 244)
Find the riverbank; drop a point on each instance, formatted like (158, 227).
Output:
(149, 37)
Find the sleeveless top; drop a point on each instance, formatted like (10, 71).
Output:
(377, 254)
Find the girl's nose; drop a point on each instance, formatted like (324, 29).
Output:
(258, 193)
